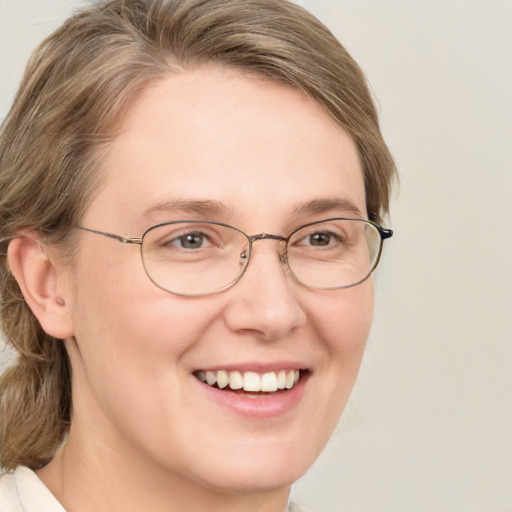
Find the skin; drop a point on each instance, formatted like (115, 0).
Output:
(144, 435)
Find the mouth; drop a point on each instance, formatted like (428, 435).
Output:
(250, 382)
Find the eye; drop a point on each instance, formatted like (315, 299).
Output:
(320, 239)
(326, 238)
(190, 241)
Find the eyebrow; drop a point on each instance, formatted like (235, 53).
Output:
(325, 205)
(209, 208)
(198, 207)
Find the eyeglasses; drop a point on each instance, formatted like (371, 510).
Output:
(202, 257)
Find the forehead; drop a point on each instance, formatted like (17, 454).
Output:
(254, 147)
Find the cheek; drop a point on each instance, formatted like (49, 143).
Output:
(343, 331)
(347, 319)
(132, 341)
(127, 327)
(135, 327)
(341, 321)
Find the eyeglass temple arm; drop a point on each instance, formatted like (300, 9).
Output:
(119, 238)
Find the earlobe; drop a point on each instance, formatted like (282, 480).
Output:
(35, 271)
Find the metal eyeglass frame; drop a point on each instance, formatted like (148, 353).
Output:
(384, 234)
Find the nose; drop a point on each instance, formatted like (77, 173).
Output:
(264, 303)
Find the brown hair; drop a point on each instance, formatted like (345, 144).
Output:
(73, 94)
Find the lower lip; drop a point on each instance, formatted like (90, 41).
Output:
(269, 405)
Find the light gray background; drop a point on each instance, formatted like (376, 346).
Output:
(429, 425)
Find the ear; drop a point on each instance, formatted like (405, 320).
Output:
(42, 283)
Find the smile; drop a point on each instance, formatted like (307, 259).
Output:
(254, 382)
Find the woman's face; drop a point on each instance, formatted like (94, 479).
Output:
(210, 143)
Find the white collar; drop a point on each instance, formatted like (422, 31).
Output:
(22, 491)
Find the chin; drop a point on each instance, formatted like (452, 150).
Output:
(255, 478)
(264, 469)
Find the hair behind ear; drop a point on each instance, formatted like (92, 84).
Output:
(35, 403)
(35, 393)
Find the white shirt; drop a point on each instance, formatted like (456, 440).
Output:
(22, 491)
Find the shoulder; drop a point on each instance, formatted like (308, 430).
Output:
(22, 491)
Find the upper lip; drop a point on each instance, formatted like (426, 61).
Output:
(258, 367)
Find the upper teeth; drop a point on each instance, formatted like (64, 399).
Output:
(251, 381)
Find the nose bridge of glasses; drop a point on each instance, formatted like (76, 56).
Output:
(266, 236)
(278, 238)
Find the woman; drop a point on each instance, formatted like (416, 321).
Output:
(237, 145)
